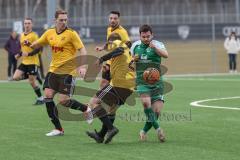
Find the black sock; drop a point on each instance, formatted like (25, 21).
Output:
(106, 121)
(37, 91)
(53, 113)
(101, 113)
(104, 129)
(73, 104)
(39, 79)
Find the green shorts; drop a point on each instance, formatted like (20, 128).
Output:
(155, 91)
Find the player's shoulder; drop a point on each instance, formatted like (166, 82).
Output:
(50, 30)
(159, 44)
(117, 42)
(138, 42)
(22, 34)
(109, 28)
(134, 45)
(34, 33)
(122, 28)
(71, 29)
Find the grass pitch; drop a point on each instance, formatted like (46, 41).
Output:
(192, 133)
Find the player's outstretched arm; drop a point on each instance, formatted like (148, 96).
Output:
(161, 52)
(35, 51)
(116, 52)
(35, 45)
(101, 48)
(83, 60)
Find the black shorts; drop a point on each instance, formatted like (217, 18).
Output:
(106, 74)
(114, 95)
(61, 83)
(30, 69)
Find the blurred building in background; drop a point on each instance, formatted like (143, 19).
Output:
(93, 12)
(171, 19)
(193, 29)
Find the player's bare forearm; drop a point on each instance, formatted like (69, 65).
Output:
(35, 45)
(162, 53)
(83, 59)
(101, 48)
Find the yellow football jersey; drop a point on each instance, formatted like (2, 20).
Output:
(64, 48)
(121, 75)
(121, 31)
(26, 40)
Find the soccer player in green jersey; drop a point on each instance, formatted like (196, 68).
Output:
(149, 53)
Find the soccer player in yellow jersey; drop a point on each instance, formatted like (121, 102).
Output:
(64, 43)
(30, 61)
(114, 94)
(113, 27)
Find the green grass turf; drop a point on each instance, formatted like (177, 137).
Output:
(205, 134)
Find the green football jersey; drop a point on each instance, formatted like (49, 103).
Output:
(147, 58)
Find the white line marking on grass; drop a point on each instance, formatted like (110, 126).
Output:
(205, 79)
(202, 74)
(196, 103)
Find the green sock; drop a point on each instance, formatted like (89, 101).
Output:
(155, 122)
(148, 123)
(147, 126)
(152, 117)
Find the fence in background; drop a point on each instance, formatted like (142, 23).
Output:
(194, 47)
(136, 20)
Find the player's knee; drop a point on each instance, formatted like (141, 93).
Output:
(15, 78)
(104, 83)
(157, 114)
(94, 102)
(156, 110)
(48, 96)
(64, 102)
(31, 79)
(48, 93)
(112, 110)
(145, 105)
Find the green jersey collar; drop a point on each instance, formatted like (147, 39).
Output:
(142, 45)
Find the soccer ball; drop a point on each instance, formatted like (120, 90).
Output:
(151, 75)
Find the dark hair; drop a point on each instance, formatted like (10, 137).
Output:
(114, 36)
(115, 12)
(28, 18)
(145, 28)
(233, 33)
(60, 11)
